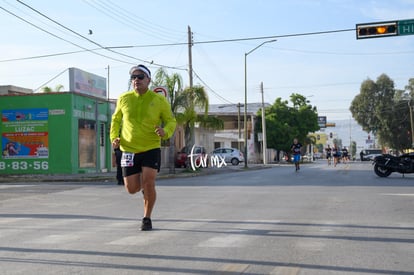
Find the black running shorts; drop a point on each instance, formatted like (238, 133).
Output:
(151, 158)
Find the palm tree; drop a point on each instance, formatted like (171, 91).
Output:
(184, 104)
(47, 89)
(173, 83)
(190, 100)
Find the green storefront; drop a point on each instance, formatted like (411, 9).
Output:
(55, 133)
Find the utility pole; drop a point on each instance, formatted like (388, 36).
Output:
(107, 88)
(190, 77)
(350, 134)
(263, 126)
(411, 120)
(245, 99)
(238, 123)
(190, 57)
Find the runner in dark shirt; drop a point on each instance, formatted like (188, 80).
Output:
(328, 151)
(295, 148)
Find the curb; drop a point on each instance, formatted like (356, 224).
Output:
(110, 177)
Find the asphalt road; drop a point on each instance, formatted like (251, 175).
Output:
(321, 220)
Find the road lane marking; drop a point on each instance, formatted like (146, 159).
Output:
(5, 186)
(142, 239)
(232, 269)
(397, 194)
(228, 240)
(285, 270)
(58, 239)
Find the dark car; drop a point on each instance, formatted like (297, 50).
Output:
(182, 157)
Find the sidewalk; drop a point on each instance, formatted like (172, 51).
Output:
(110, 177)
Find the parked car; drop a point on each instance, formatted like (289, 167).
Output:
(230, 155)
(182, 157)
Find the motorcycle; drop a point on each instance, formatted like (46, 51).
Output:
(386, 164)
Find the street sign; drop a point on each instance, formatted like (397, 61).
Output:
(161, 90)
(322, 121)
(406, 27)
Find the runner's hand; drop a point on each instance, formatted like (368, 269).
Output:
(115, 143)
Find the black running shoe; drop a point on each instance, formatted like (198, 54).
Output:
(146, 224)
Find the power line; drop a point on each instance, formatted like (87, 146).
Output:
(215, 93)
(242, 39)
(58, 37)
(46, 55)
(124, 17)
(27, 15)
(89, 40)
(172, 44)
(275, 36)
(66, 28)
(131, 46)
(158, 45)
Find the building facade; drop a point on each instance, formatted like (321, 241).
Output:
(233, 134)
(54, 133)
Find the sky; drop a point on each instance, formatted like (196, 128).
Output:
(315, 54)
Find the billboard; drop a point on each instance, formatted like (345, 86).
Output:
(25, 133)
(87, 83)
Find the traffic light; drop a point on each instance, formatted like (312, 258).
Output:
(373, 30)
(330, 135)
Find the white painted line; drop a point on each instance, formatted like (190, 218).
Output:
(225, 241)
(58, 239)
(285, 270)
(397, 194)
(4, 186)
(142, 238)
(232, 269)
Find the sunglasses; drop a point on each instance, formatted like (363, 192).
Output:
(139, 76)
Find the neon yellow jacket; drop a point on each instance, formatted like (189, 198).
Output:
(139, 115)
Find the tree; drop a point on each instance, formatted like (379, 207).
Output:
(189, 101)
(381, 109)
(410, 87)
(173, 83)
(184, 102)
(210, 122)
(184, 105)
(47, 89)
(284, 122)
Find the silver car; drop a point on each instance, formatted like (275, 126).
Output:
(230, 155)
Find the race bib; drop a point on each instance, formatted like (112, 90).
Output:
(127, 159)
